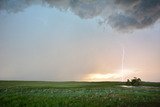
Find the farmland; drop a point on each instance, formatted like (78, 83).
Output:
(77, 94)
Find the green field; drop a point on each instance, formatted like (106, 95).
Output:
(77, 94)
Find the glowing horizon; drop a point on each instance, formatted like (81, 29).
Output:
(127, 74)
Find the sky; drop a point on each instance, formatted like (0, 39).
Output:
(79, 40)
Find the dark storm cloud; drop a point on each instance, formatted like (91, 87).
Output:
(120, 14)
(137, 14)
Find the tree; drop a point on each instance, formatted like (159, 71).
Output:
(128, 82)
(134, 82)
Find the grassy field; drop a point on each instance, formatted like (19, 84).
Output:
(77, 94)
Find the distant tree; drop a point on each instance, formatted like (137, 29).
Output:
(128, 82)
(134, 82)
(139, 81)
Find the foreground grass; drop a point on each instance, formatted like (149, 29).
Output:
(77, 94)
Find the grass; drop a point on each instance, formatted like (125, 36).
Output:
(77, 94)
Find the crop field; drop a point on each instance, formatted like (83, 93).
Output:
(78, 94)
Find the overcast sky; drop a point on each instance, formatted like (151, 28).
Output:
(74, 40)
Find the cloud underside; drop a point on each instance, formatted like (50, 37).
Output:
(119, 14)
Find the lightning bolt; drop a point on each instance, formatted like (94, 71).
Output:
(123, 53)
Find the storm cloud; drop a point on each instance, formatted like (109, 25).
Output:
(119, 14)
